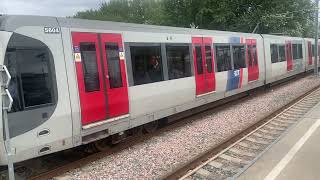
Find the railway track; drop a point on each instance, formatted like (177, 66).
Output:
(240, 155)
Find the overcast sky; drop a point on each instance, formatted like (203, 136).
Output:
(47, 7)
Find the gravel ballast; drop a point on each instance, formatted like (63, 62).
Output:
(164, 153)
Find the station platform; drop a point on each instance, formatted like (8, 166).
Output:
(295, 156)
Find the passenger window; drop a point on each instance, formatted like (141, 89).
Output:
(295, 51)
(90, 66)
(239, 59)
(282, 53)
(146, 64)
(274, 53)
(30, 64)
(199, 59)
(178, 61)
(208, 58)
(114, 69)
(223, 58)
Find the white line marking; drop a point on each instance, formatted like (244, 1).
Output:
(286, 159)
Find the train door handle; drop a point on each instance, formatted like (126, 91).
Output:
(107, 76)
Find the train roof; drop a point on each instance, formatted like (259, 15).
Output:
(13, 22)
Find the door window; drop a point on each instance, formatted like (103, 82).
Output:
(114, 69)
(90, 66)
(199, 59)
(252, 53)
(255, 55)
(208, 58)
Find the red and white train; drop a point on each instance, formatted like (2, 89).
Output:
(77, 81)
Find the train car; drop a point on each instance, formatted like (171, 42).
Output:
(284, 57)
(78, 81)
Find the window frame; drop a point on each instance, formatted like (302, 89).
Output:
(97, 47)
(164, 68)
(166, 58)
(51, 71)
(216, 59)
(108, 63)
(278, 54)
(245, 54)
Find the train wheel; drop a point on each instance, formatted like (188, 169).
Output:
(151, 127)
(102, 145)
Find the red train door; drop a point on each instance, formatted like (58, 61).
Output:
(115, 73)
(289, 55)
(90, 77)
(203, 65)
(101, 76)
(252, 59)
(309, 53)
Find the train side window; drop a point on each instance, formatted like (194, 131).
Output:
(208, 58)
(300, 54)
(178, 61)
(114, 69)
(282, 53)
(31, 66)
(199, 59)
(239, 58)
(223, 58)
(90, 66)
(274, 53)
(147, 64)
(295, 51)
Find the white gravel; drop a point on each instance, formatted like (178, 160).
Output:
(162, 154)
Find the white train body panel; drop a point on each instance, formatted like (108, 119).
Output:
(62, 121)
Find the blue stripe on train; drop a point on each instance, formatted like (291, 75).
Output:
(233, 81)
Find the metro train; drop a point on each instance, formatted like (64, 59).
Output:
(79, 81)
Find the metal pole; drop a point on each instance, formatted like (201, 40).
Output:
(316, 39)
(8, 146)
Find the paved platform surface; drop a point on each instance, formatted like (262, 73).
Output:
(295, 156)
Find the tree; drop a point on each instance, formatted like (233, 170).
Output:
(132, 11)
(289, 17)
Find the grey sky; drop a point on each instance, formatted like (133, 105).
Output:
(47, 7)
